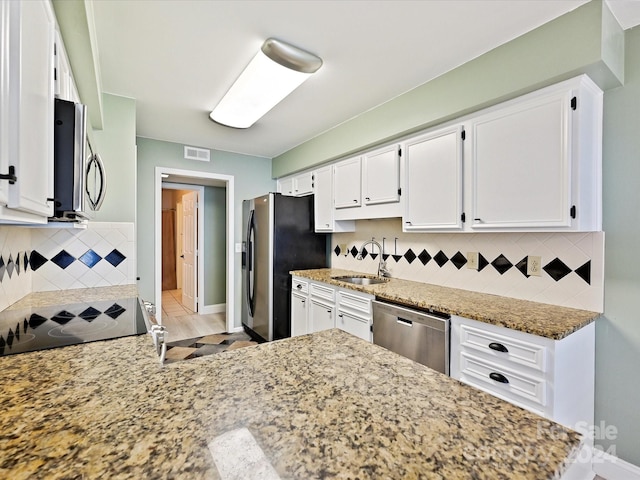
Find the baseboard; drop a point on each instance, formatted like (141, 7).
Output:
(236, 330)
(613, 468)
(209, 309)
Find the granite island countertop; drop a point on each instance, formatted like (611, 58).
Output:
(326, 405)
(540, 319)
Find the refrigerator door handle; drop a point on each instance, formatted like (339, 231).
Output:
(250, 290)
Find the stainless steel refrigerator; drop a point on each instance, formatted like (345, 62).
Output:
(279, 236)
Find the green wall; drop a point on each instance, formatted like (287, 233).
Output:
(215, 244)
(116, 144)
(618, 330)
(252, 177)
(583, 41)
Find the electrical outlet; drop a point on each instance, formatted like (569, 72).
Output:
(472, 260)
(534, 265)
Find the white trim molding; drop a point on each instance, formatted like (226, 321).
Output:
(613, 468)
(217, 308)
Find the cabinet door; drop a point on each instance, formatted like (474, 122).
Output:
(347, 183)
(433, 181)
(354, 325)
(4, 99)
(303, 184)
(32, 87)
(299, 324)
(521, 164)
(381, 176)
(321, 316)
(323, 199)
(286, 186)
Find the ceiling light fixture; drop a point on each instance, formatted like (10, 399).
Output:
(276, 71)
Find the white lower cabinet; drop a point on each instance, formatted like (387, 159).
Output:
(553, 378)
(317, 306)
(321, 315)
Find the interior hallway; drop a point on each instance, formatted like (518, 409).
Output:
(183, 323)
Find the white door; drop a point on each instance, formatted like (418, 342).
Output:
(179, 244)
(190, 246)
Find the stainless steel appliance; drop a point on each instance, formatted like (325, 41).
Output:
(39, 328)
(79, 180)
(279, 237)
(420, 336)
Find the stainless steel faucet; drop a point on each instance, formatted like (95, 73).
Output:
(383, 271)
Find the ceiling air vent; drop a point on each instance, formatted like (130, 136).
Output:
(193, 153)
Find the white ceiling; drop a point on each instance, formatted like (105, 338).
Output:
(177, 58)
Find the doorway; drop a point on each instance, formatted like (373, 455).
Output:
(180, 236)
(181, 241)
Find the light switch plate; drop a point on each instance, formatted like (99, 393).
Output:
(534, 265)
(472, 260)
(238, 248)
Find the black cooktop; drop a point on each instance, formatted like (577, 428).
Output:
(39, 328)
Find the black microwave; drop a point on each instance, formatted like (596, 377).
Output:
(79, 180)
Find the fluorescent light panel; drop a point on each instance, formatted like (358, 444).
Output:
(276, 71)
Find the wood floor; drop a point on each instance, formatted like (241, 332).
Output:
(183, 323)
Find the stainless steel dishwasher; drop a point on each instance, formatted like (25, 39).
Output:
(420, 336)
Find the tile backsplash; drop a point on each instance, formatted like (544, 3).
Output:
(50, 259)
(571, 274)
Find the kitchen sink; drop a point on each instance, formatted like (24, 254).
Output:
(361, 280)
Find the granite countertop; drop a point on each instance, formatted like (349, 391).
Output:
(61, 297)
(540, 319)
(326, 405)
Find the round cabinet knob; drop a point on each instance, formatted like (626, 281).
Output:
(367, 198)
(355, 201)
(299, 287)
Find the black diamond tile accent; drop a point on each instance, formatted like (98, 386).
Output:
(522, 266)
(557, 269)
(337, 250)
(63, 317)
(90, 314)
(36, 320)
(409, 256)
(440, 258)
(17, 331)
(482, 262)
(501, 264)
(2, 268)
(63, 259)
(115, 310)
(354, 252)
(115, 258)
(36, 260)
(2, 342)
(424, 257)
(385, 256)
(17, 263)
(373, 255)
(459, 260)
(364, 253)
(397, 258)
(90, 258)
(25, 262)
(25, 325)
(584, 272)
(10, 338)
(10, 266)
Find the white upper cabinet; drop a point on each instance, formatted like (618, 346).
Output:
(347, 185)
(28, 30)
(323, 203)
(433, 181)
(381, 176)
(536, 161)
(65, 87)
(298, 185)
(5, 118)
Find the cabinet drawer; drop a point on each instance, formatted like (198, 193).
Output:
(299, 286)
(507, 349)
(355, 302)
(503, 382)
(322, 291)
